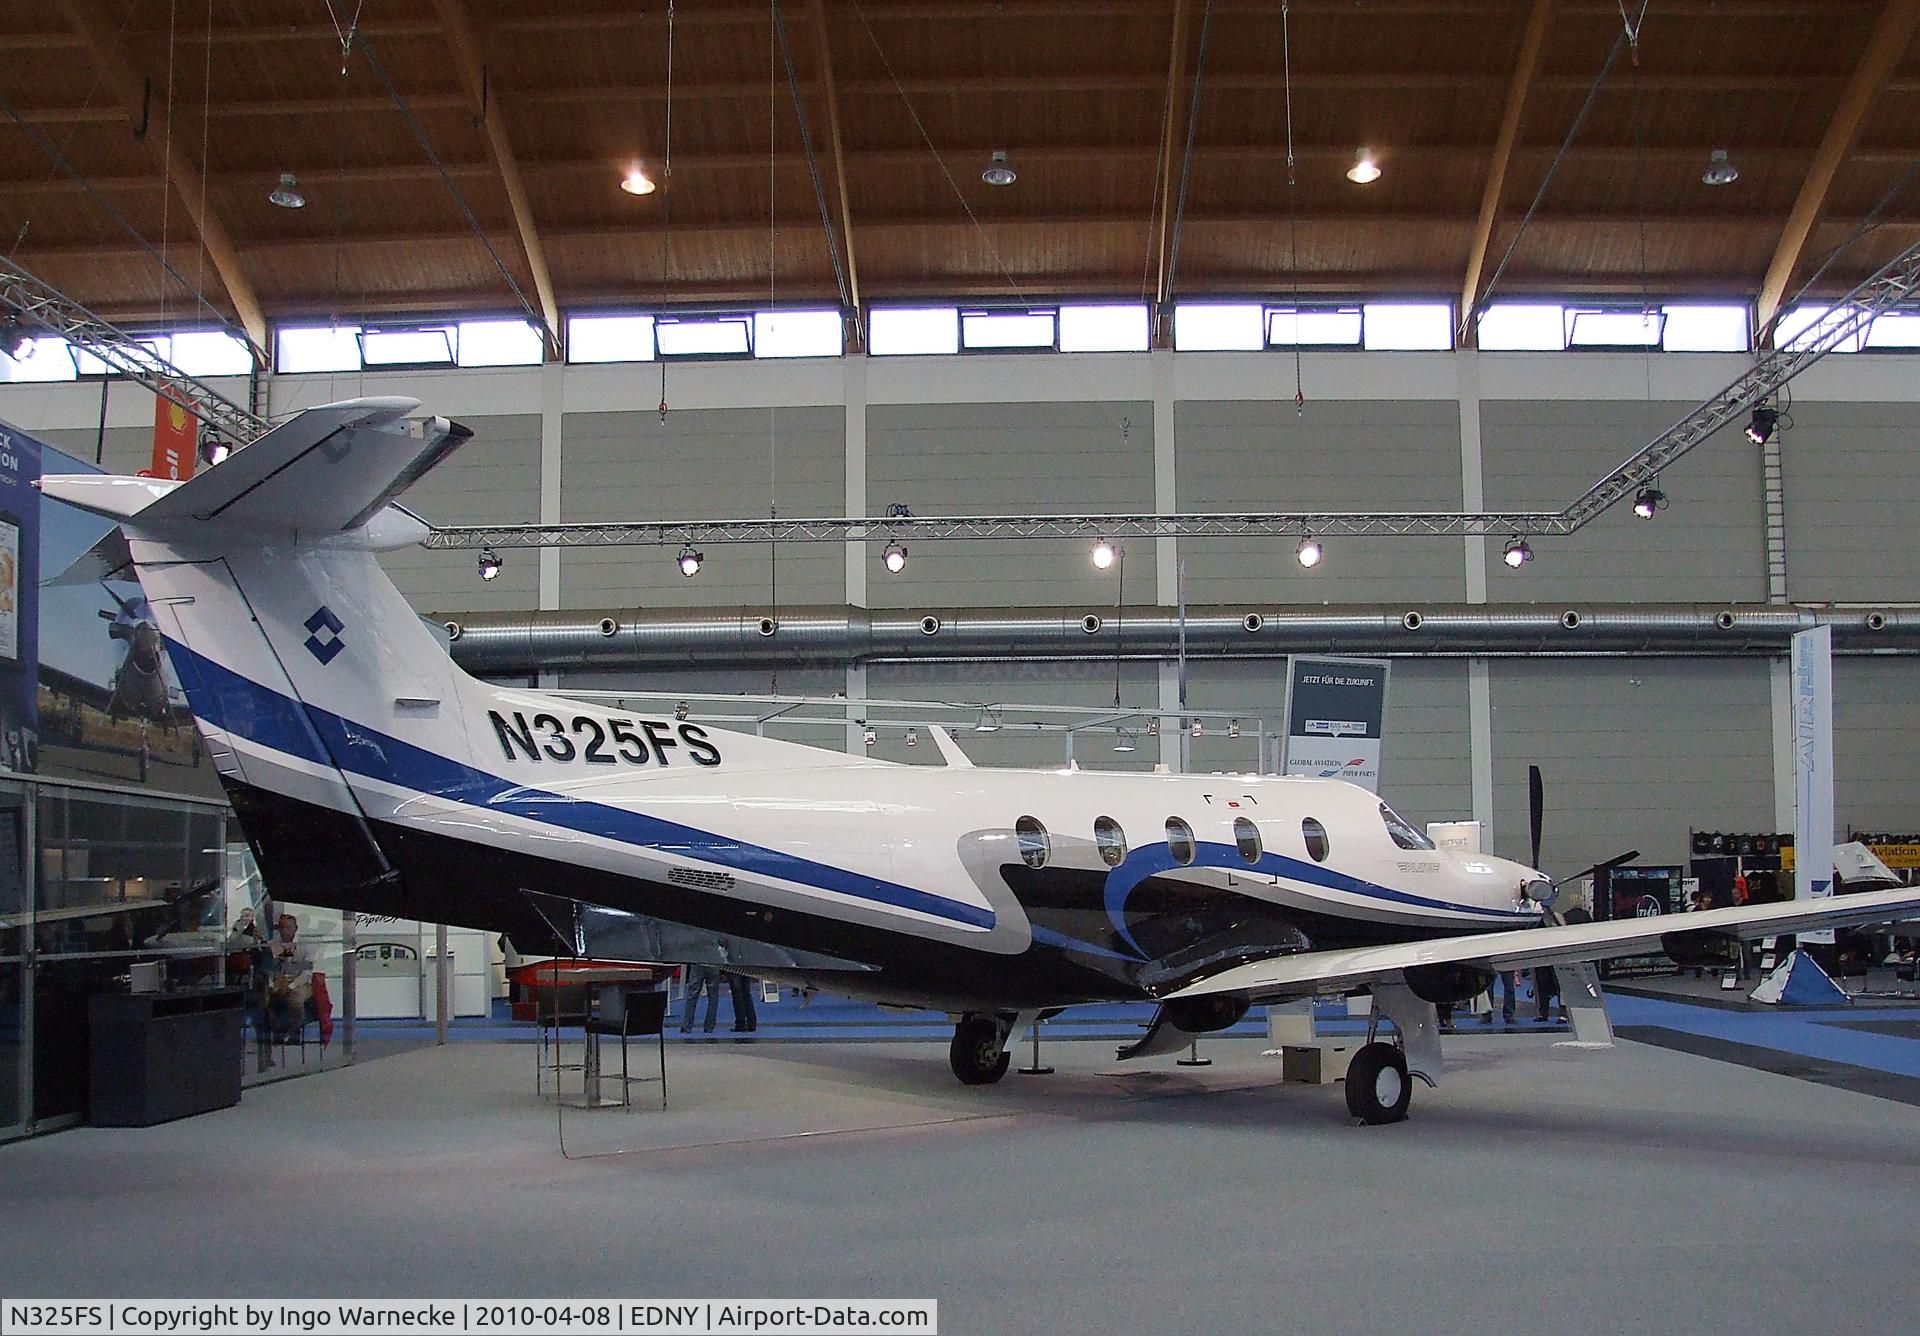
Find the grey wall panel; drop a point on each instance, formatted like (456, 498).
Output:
(1089, 685)
(126, 449)
(1852, 477)
(493, 478)
(1876, 745)
(1708, 545)
(1635, 753)
(702, 464)
(1060, 458)
(1332, 456)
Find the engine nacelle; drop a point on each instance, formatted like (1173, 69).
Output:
(1201, 1015)
(1449, 985)
(1697, 949)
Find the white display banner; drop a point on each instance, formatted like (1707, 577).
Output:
(1812, 655)
(1336, 711)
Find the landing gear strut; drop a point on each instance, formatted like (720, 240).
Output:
(979, 1054)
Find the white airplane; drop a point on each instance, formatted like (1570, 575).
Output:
(369, 772)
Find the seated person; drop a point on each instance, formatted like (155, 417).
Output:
(289, 980)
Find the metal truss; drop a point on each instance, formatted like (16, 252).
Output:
(44, 309)
(1894, 284)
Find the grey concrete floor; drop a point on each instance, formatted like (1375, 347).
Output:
(1541, 1190)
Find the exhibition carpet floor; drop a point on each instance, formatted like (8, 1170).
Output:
(1542, 1189)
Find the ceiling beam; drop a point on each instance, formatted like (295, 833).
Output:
(145, 107)
(839, 164)
(1532, 39)
(1892, 33)
(1163, 204)
(1131, 157)
(472, 66)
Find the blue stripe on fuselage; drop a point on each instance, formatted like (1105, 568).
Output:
(237, 704)
(1157, 858)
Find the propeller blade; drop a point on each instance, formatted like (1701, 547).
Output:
(1536, 808)
(1607, 866)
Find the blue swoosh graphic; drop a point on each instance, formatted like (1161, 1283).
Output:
(237, 704)
(1156, 858)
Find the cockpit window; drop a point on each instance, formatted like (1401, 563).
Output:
(1034, 844)
(1180, 840)
(1315, 835)
(1246, 836)
(1404, 835)
(1110, 840)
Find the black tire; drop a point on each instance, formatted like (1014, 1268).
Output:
(979, 1055)
(1378, 1088)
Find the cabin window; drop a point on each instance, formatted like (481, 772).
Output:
(1034, 844)
(1404, 835)
(1180, 840)
(1246, 836)
(1110, 840)
(1316, 837)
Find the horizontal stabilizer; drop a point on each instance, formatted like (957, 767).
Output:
(322, 472)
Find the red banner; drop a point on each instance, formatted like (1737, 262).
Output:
(176, 439)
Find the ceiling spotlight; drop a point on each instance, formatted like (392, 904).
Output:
(1720, 170)
(913, 737)
(1516, 553)
(989, 722)
(1647, 501)
(1153, 727)
(1103, 553)
(895, 557)
(689, 561)
(1761, 429)
(637, 182)
(999, 172)
(15, 342)
(287, 194)
(213, 448)
(1233, 728)
(870, 737)
(1309, 552)
(1365, 171)
(489, 563)
(680, 712)
(1199, 729)
(1123, 743)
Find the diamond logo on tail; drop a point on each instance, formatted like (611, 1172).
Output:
(324, 642)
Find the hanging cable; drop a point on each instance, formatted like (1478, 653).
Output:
(1186, 159)
(1630, 37)
(166, 156)
(666, 205)
(992, 250)
(1293, 212)
(1160, 156)
(534, 317)
(813, 162)
(61, 161)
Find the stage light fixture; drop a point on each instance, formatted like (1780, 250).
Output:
(689, 561)
(213, 448)
(1648, 501)
(15, 342)
(680, 712)
(1309, 552)
(489, 563)
(1103, 555)
(1765, 420)
(1516, 553)
(895, 557)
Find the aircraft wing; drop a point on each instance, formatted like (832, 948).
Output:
(1567, 944)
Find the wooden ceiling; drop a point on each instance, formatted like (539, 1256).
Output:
(537, 107)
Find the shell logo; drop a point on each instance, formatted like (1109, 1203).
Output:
(176, 416)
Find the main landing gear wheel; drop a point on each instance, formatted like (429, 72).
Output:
(979, 1054)
(1378, 1090)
